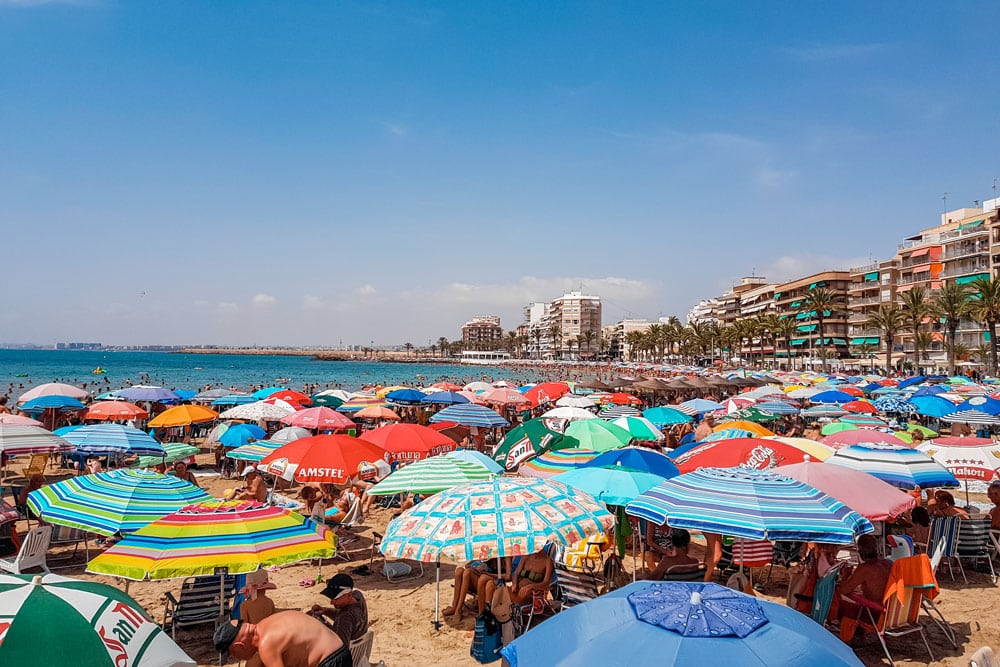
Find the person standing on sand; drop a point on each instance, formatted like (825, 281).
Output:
(284, 639)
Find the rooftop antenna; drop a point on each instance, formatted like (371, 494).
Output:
(944, 198)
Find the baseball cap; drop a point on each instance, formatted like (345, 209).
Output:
(337, 585)
(248, 470)
(225, 635)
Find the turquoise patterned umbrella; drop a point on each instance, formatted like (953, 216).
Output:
(116, 501)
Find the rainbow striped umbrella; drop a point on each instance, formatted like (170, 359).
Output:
(361, 402)
(117, 501)
(200, 539)
(556, 461)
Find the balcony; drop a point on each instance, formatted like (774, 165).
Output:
(966, 269)
(863, 286)
(868, 268)
(966, 250)
(866, 301)
(918, 278)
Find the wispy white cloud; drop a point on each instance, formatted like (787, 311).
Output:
(263, 300)
(819, 52)
(395, 129)
(227, 308)
(791, 267)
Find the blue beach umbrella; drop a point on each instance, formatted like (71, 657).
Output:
(610, 485)
(899, 466)
(266, 392)
(472, 456)
(909, 382)
(932, 406)
(831, 397)
(240, 434)
(990, 406)
(700, 405)
(752, 504)
(679, 623)
(778, 408)
(895, 404)
(143, 393)
(234, 399)
(470, 414)
(931, 390)
(729, 434)
(445, 398)
(185, 394)
(54, 402)
(113, 439)
(636, 458)
(664, 416)
(406, 397)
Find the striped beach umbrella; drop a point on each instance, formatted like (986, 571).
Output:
(729, 434)
(430, 476)
(113, 439)
(900, 466)
(815, 450)
(52, 620)
(200, 539)
(16, 439)
(819, 411)
(54, 402)
(495, 518)
(598, 434)
(18, 420)
(640, 428)
(615, 411)
(470, 414)
(971, 417)
(172, 451)
(254, 451)
(756, 429)
(117, 501)
(700, 405)
(551, 463)
(778, 408)
(472, 456)
(752, 504)
(362, 402)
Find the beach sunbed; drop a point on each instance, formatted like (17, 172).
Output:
(361, 649)
(202, 600)
(974, 544)
(32, 552)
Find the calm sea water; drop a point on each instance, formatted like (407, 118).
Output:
(195, 371)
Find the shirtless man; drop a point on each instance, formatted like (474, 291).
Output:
(680, 541)
(994, 495)
(871, 577)
(285, 639)
(254, 487)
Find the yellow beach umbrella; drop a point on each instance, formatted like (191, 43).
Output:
(816, 450)
(744, 425)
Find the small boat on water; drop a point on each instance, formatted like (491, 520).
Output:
(98, 371)
(283, 379)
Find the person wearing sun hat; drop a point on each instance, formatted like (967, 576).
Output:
(254, 487)
(348, 610)
(256, 606)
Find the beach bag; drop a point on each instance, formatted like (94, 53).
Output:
(501, 605)
(396, 569)
(486, 640)
(614, 574)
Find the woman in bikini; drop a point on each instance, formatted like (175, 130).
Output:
(533, 573)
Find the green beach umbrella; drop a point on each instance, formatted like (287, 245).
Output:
(430, 476)
(905, 436)
(755, 415)
(327, 401)
(529, 440)
(53, 620)
(598, 434)
(175, 451)
(927, 432)
(837, 427)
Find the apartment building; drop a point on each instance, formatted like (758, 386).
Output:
(482, 332)
(790, 300)
(871, 286)
(577, 318)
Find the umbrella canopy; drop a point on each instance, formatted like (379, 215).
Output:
(894, 405)
(410, 442)
(505, 396)
(118, 501)
(679, 623)
(319, 418)
(113, 438)
(406, 396)
(635, 458)
(469, 414)
(701, 405)
(569, 414)
(377, 412)
(211, 394)
(331, 459)
(860, 406)
(266, 392)
(815, 450)
(990, 406)
(361, 402)
(16, 439)
(430, 476)
(114, 411)
(199, 539)
(860, 436)
(290, 396)
(472, 456)
(932, 406)
(52, 389)
(613, 486)
(254, 451)
(663, 416)
(528, 440)
(172, 451)
(752, 504)
(260, 410)
(53, 402)
(290, 434)
(965, 461)
(495, 518)
(616, 411)
(183, 415)
(551, 463)
(598, 434)
(18, 420)
(52, 620)
(146, 393)
(546, 392)
(900, 466)
(570, 401)
(743, 425)
(837, 427)
(326, 401)
(750, 453)
(865, 494)
(778, 408)
(240, 434)
(640, 428)
(832, 396)
(971, 417)
(446, 398)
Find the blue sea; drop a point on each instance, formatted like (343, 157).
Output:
(21, 370)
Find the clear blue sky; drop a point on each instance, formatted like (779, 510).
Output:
(310, 172)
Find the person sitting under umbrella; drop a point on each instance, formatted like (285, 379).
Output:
(533, 575)
(348, 608)
(253, 487)
(869, 578)
(677, 556)
(288, 639)
(944, 505)
(181, 471)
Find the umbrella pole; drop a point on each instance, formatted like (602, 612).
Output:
(437, 594)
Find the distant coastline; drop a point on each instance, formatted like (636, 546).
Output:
(397, 357)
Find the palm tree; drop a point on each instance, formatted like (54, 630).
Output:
(634, 340)
(986, 309)
(888, 319)
(924, 341)
(409, 348)
(824, 303)
(443, 344)
(536, 333)
(916, 308)
(951, 303)
(866, 351)
(786, 328)
(555, 331)
(588, 337)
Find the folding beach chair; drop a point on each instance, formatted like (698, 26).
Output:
(203, 599)
(523, 615)
(974, 543)
(573, 586)
(945, 530)
(823, 595)
(65, 536)
(785, 554)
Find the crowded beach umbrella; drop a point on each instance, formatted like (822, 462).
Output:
(752, 504)
(326, 401)
(183, 415)
(864, 421)
(831, 396)
(376, 412)
(982, 404)
(894, 405)
(837, 427)
(361, 402)
(636, 458)
(932, 406)
(114, 411)
(290, 396)
(211, 394)
(528, 440)
(52, 389)
(46, 619)
(860, 436)
(815, 450)
(700, 405)
(976, 459)
(641, 429)
(750, 453)
(571, 401)
(410, 442)
(320, 418)
(472, 456)
(469, 414)
(200, 539)
(505, 396)
(429, 476)
(382, 392)
(290, 434)
(258, 411)
(117, 501)
(52, 402)
(446, 398)
(266, 392)
(113, 439)
(16, 439)
(477, 386)
(546, 392)
(569, 414)
(679, 623)
(621, 398)
(971, 417)
(598, 434)
(18, 420)
(865, 494)
(326, 459)
(920, 428)
(336, 393)
(147, 393)
(778, 408)
(234, 399)
(614, 485)
(254, 451)
(663, 416)
(616, 411)
(551, 463)
(406, 396)
(899, 466)
(860, 406)
(753, 427)
(729, 434)
(240, 434)
(804, 392)
(755, 414)
(172, 451)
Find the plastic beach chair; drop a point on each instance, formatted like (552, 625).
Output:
(32, 552)
(361, 649)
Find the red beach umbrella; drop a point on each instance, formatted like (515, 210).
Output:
(326, 459)
(114, 410)
(546, 392)
(410, 442)
(853, 391)
(860, 406)
(291, 396)
(743, 452)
